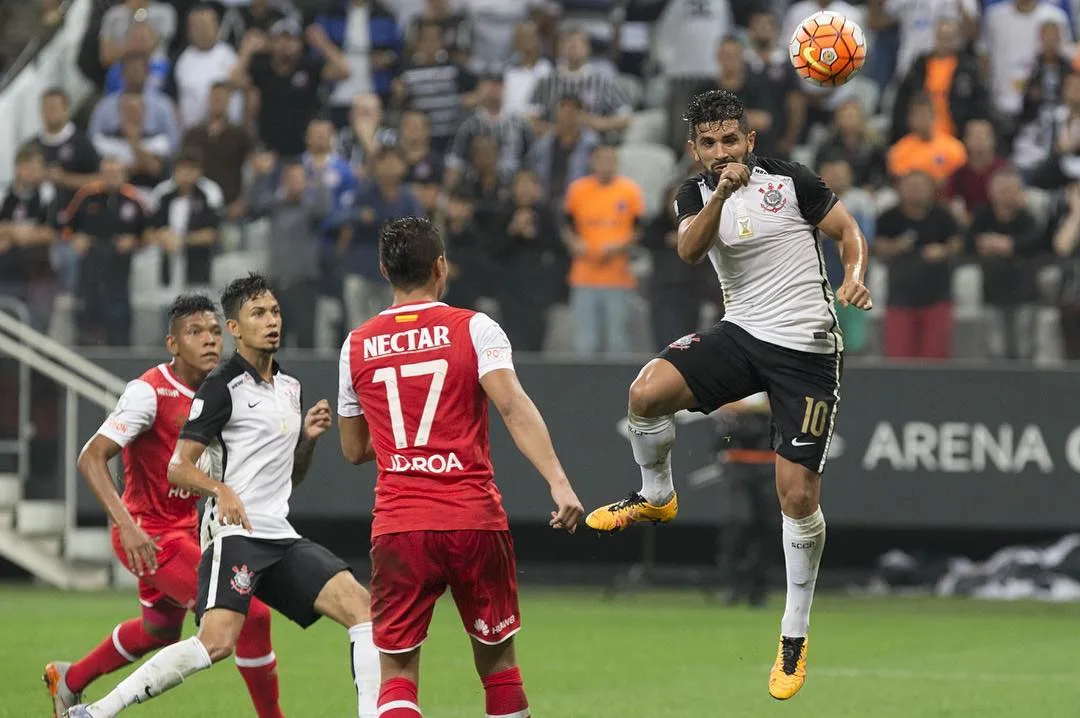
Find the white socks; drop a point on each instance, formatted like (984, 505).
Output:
(804, 542)
(365, 670)
(652, 440)
(166, 669)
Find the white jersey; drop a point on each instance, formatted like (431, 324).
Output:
(767, 254)
(250, 428)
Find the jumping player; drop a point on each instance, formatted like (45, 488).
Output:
(415, 382)
(759, 221)
(155, 524)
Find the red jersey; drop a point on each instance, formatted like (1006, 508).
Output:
(146, 423)
(414, 372)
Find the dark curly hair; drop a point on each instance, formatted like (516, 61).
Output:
(243, 289)
(713, 107)
(408, 248)
(187, 304)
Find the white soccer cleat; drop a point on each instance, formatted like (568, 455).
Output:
(63, 699)
(79, 711)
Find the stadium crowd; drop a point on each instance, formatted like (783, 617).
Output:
(545, 137)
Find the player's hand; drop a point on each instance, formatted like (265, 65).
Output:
(231, 509)
(141, 550)
(854, 293)
(318, 420)
(732, 176)
(569, 511)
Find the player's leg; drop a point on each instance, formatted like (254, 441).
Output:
(804, 394)
(310, 581)
(407, 578)
(699, 371)
(160, 624)
(228, 576)
(483, 579)
(257, 663)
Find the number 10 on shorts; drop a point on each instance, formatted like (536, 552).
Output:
(815, 417)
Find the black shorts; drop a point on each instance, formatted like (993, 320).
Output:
(286, 574)
(726, 363)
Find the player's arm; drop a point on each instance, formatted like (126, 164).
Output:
(699, 222)
(210, 411)
(353, 429)
(842, 227)
(316, 422)
(133, 414)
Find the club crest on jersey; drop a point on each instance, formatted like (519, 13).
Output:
(684, 342)
(772, 200)
(243, 580)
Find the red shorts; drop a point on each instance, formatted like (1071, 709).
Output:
(411, 570)
(168, 593)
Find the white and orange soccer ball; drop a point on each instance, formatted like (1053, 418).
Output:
(827, 49)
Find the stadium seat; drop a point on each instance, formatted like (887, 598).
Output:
(1048, 343)
(231, 265)
(651, 166)
(1038, 203)
(649, 126)
(967, 282)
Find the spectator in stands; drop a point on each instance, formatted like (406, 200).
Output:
(105, 223)
(675, 296)
(70, 158)
(224, 148)
(607, 108)
(527, 67)
(370, 40)
(967, 189)
(324, 165)
(856, 140)
(139, 45)
(483, 181)
(925, 149)
(159, 116)
(28, 214)
(187, 215)
(204, 63)
(778, 85)
(526, 253)
(470, 261)
(510, 132)
(918, 239)
(1044, 93)
(684, 45)
(604, 213)
(563, 154)
(456, 28)
(285, 74)
(951, 77)
(382, 198)
(160, 17)
(254, 17)
(434, 84)
(918, 23)
(296, 210)
(735, 76)
(1007, 241)
(839, 176)
(365, 133)
(1066, 241)
(424, 171)
(1010, 41)
(492, 26)
(1063, 164)
(145, 156)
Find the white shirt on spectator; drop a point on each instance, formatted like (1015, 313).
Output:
(117, 21)
(1010, 39)
(519, 82)
(687, 35)
(357, 49)
(918, 21)
(196, 71)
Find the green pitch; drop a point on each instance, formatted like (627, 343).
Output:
(649, 656)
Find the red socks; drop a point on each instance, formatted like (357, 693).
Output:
(505, 695)
(129, 641)
(397, 699)
(257, 663)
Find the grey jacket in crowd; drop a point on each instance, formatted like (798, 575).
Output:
(294, 227)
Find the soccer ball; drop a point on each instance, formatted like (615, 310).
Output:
(827, 49)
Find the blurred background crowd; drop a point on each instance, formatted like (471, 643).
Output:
(545, 137)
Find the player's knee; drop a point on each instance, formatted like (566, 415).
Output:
(798, 499)
(642, 401)
(218, 647)
(163, 634)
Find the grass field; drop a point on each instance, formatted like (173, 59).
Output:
(647, 656)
